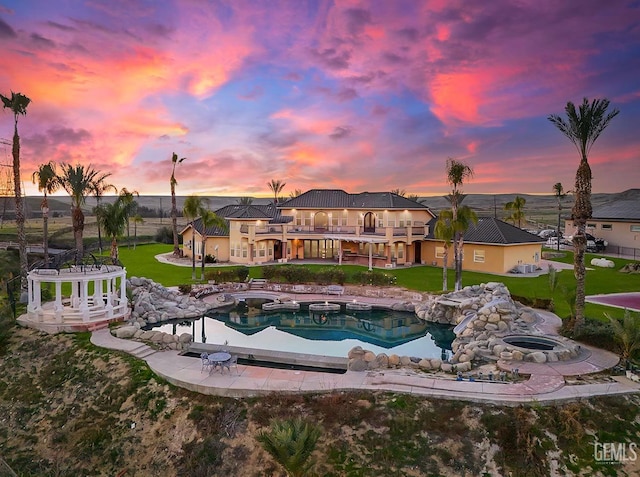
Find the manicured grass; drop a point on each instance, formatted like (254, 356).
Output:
(141, 262)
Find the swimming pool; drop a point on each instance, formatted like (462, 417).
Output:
(325, 333)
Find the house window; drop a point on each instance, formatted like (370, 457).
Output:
(391, 221)
(439, 252)
(635, 228)
(478, 256)
(400, 250)
(607, 226)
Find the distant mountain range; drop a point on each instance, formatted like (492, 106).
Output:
(483, 204)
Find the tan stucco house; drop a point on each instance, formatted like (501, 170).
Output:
(490, 246)
(618, 223)
(375, 229)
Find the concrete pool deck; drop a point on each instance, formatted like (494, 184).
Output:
(546, 383)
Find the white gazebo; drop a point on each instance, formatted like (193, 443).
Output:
(95, 296)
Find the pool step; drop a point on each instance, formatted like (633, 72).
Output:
(257, 283)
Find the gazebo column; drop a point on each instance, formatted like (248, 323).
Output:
(109, 307)
(98, 300)
(84, 297)
(339, 252)
(57, 306)
(31, 306)
(370, 256)
(123, 290)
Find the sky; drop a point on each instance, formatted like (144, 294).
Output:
(355, 95)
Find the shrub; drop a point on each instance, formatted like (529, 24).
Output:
(164, 235)
(210, 259)
(222, 275)
(374, 277)
(185, 289)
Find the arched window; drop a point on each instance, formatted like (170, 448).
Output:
(321, 222)
(369, 223)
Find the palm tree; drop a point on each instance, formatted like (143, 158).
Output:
(295, 193)
(99, 187)
(276, 187)
(583, 127)
(113, 219)
(209, 219)
(47, 181)
(137, 219)
(559, 193)
(18, 103)
(516, 207)
(174, 208)
(130, 205)
(78, 182)
(627, 333)
(245, 201)
(193, 207)
(457, 172)
(444, 231)
(400, 192)
(291, 444)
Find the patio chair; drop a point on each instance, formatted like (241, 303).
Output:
(233, 361)
(204, 357)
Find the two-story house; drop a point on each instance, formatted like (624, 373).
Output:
(375, 229)
(378, 229)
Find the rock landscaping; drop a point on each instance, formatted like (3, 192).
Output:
(483, 315)
(153, 303)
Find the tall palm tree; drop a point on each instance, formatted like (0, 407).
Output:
(78, 182)
(457, 172)
(174, 208)
(444, 231)
(113, 219)
(193, 207)
(559, 193)
(583, 127)
(99, 187)
(130, 205)
(18, 103)
(209, 219)
(276, 187)
(47, 181)
(516, 207)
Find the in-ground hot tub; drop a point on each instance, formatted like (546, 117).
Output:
(536, 348)
(531, 342)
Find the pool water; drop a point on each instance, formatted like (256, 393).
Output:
(327, 334)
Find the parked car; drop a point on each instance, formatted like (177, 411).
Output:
(594, 244)
(552, 242)
(546, 233)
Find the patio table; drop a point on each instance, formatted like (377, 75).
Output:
(219, 358)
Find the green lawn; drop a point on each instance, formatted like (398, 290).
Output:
(141, 263)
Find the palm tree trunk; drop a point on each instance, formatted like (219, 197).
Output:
(45, 233)
(78, 227)
(193, 253)
(582, 211)
(445, 259)
(114, 251)
(174, 222)
(203, 257)
(98, 220)
(22, 237)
